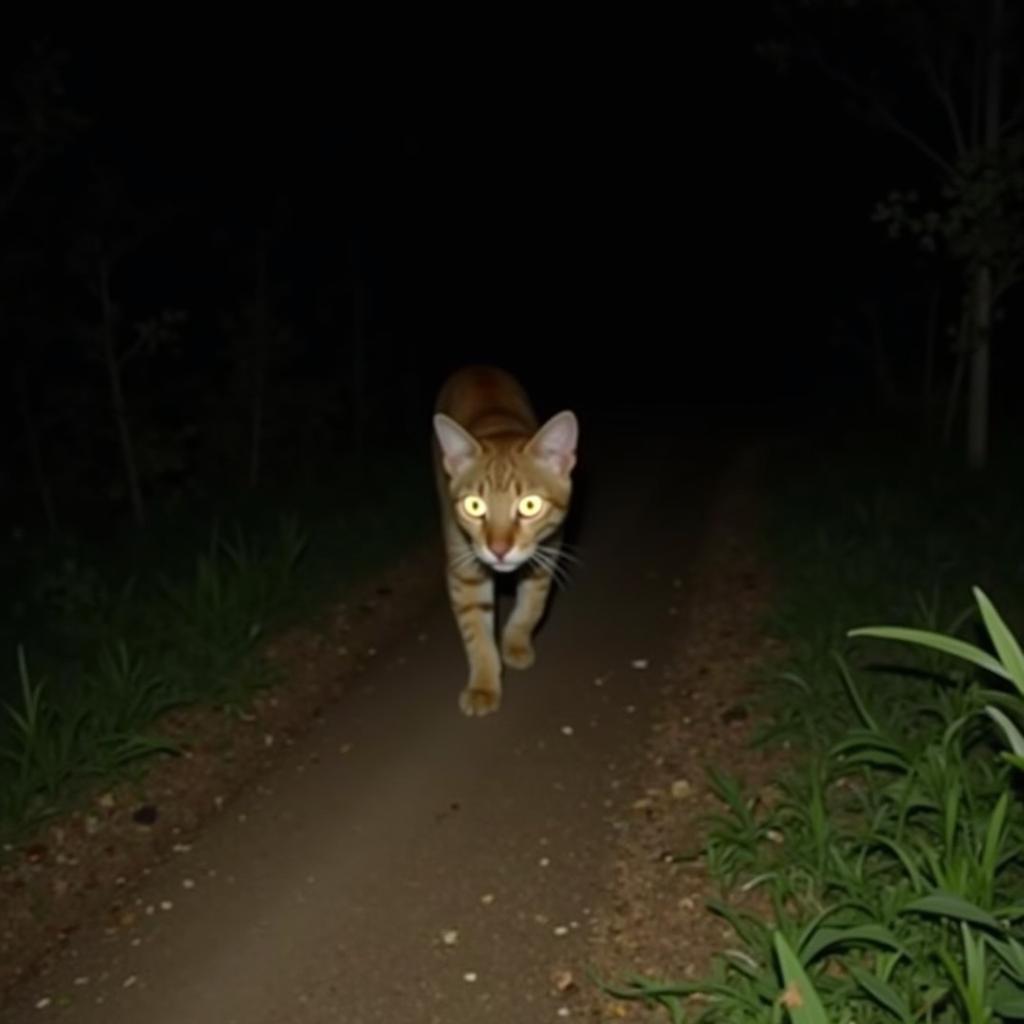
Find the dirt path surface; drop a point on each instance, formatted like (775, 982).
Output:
(404, 863)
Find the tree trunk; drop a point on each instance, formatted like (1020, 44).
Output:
(357, 366)
(108, 330)
(256, 435)
(259, 359)
(885, 385)
(928, 385)
(39, 474)
(978, 387)
(978, 382)
(963, 348)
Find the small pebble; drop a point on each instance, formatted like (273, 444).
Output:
(563, 981)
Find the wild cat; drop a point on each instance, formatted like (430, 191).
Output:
(504, 485)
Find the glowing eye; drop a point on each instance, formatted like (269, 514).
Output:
(474, 506)
(530, 506)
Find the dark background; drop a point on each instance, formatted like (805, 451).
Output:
(642, 216)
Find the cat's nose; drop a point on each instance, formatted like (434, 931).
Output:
(500, 548)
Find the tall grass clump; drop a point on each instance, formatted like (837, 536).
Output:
(105, 635)
(892, 857)
(143, 651)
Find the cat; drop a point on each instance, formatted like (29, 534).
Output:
(504, 485)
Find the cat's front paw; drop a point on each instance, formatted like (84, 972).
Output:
(477, 699)
(517, 650)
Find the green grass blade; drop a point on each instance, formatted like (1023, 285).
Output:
(1003, 640)
(944, 904)
(1011, 953)
(1012, 733)
(993, 842)
(802, 1002)
(862, 935)
(938, 642)
(883, 993)
(851, 689)
(1007, 1000)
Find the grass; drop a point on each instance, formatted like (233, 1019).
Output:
(98, 654)
(894, 857)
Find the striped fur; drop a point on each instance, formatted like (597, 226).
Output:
(504, 484)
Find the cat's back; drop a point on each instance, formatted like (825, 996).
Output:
(487, 401)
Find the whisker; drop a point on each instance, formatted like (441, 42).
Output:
(560, 553)
(559, 557)
(550, 564)
(463, 559)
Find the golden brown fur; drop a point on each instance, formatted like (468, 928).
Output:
(504, 485)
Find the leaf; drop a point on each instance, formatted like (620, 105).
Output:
(883, 993)
(1008, 1002)
(1003, 640)
(938, 642)
(993, 840)
(855, 696)
(1011, 952)
(863, 935)
(945, 904)
(872, 756)
(1013, 734)
(802, 1002)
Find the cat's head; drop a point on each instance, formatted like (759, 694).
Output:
(509, 494)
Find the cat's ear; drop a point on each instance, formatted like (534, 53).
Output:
(554, 444)
(458, 447)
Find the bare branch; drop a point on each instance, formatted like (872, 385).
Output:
(943, 93)
(875, 107)
(899, 128)
(23, 175)
(129, 352)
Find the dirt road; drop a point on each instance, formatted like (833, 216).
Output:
(407, 864)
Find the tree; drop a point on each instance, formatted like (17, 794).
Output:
(36, 126)
(256, 336)
(359, 351)
(947, 102)
(114, 230)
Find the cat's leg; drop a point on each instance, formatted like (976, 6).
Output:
(471, 589)
(531, 600)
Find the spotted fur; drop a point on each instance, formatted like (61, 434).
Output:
(491, 455)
